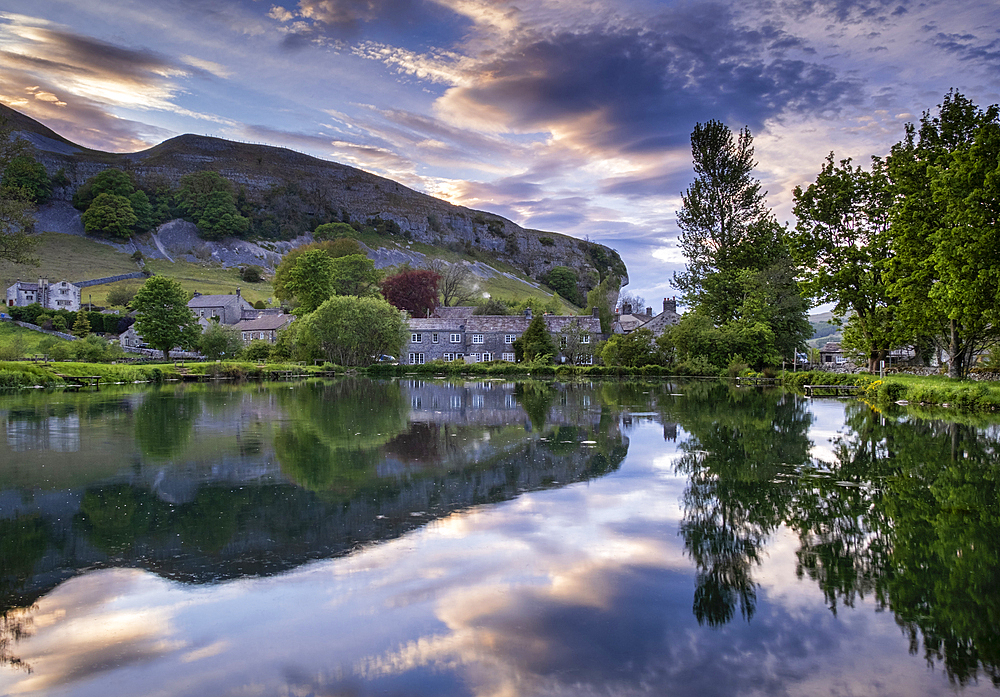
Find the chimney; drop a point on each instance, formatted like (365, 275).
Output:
(596, 312)
(670, 305)
(237, 291)
(649, 312)
(196, 294)
(527, 313)
(627, 309)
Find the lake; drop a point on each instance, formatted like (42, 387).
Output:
(495, 539)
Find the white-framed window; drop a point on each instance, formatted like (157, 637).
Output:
(416, 359)
(416, 402)
(456, 401)
(459, 356)
(416, 338)
(476, 357)
(456, 338)
(509, 338)
(585, 339)
(508, 357)
(562, 342)
(487, 356)
(509, 401)
(478, 401)
(434, 338)
(585, 359)
(448, 357)
(477, 338)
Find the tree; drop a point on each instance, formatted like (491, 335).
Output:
(633, 349)
(600, 298)
(536, 342)
(220, 341)
(110, 215)
(841, 245)
(309, 280)
(413, 291)
(456, 282)
(355, 274)
(332, 231)
(16, 221)
(563, 280)
(636, 302)
(333, 249)
(163, 318)
(354, 331)
(81, 327)
(121, 294)
(492, 306)
(941, 176)
(143, 210)
(24, 172)
(739, 267)
(109, 181)
(207, 199)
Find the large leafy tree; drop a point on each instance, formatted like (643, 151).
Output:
(739, 267)
(333, 248)
(309, 280)
(415, 291)
(944, 228)
(536, 342)
(355, 331)
(208, 200)
(111, 215)
(841, 246)
(355, 274)
(220, 341)
(29, 175)
(163, 318)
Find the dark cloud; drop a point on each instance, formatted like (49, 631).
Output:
(847, 11)
(85, 54)
(641, 91)
(969, 47)
(423, 21)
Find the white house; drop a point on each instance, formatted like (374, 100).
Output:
(52, 296)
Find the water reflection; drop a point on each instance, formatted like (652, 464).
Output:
(640, 538)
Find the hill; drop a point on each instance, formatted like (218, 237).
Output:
(292, 193)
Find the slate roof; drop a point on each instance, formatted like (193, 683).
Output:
(216, 301)
(264, 323)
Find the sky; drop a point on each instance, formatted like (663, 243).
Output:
(572, 116)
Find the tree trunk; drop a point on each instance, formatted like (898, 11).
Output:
(956, 356)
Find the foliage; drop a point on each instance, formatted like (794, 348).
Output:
(332, 248)
(309, 280)
(207, 199)
(841, 244)
(632, 350)
(110, 215)
(355, 274)
(944, 221)
(25, 173)
(108, 181)
(81, 327)
(121, 294)
(354, 331)
(599, 297)
(257, 350)
(492, 306)
(144, 215)
(739, 271)
(563, 280)
(220, 341)
(456, 284)
(163, 318)
(16, 220)
(536, 343)
(413, 291)
(252, 274)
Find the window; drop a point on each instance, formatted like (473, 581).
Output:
(478, 401)
(456, 338)
(585, 339)
(508, 357)
(477, 338)
(434, 338)
(416, 359)
(456, 401)
(487, 356)
(509, 338)
(459, 356)
(448, 357)
(562, 342)
(416, 338)
(420, 359)
(584, 359)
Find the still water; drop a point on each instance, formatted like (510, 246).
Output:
(493, 539)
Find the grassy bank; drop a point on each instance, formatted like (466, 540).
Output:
(15, 374)
(966, 395)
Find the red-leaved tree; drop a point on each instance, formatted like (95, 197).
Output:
(413, 291)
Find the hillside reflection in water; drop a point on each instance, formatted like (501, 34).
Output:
(491, 538)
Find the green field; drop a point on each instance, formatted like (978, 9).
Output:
(23, 341)
(208, 279)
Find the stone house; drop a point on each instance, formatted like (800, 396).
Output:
(264, 327)
(52, 296)
(832, 355)
(230, 309)
(476, 338)
(628, 321)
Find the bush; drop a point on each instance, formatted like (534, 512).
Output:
(252, 274)
(258, 350)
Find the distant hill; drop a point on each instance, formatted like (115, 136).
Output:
(824, 329)
(297, 192)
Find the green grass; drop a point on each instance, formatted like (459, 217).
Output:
(26, 341)
(938, 390)
(209, 280)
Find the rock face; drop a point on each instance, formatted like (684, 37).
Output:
(269, 175)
